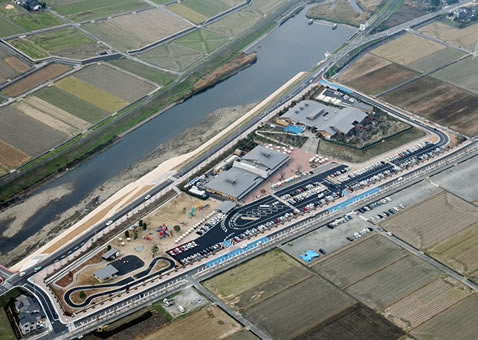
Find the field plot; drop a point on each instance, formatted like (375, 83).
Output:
(465, 37)
(202, 40)
(382, 79)
(67, 42)
(242, 335)
(436, 59)
(10, 66)
(457, 323)
(426, 302)
(463, 74)
(366, 64)
(407, 48)
(30, 21)
(459, 251)
(172, 56)
(392, 283)
(72, 104)
(254, 281)
(44, 74)
(79, 10)
(198, 11)
(10, 156)
(432, 220)
(360, 260)
(157, 76)
(208, 323)
(113, 81)
(7, 28)
(299, 308)
(27, 134)
(91, 94)
(137, 30)
(440, 102)
(240, 21)
(357, 322)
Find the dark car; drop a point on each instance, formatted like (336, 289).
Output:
(370, 228)
(391, 211)
(330, 226)
(322, 251)
(350, 238)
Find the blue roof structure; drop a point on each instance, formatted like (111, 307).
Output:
(294, 129)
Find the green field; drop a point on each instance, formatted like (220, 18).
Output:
(5, 327)
(29, 48)
(90, 9)
(159, 77)
(434, 60)
(202, 40)
(33, 21)
(7, 28)
(172, 56)
(161, 2)
(92, 94)
(187, 13)
(462, 74)
(72, 104)
(209, 8)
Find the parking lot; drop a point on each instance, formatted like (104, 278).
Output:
(189, 299)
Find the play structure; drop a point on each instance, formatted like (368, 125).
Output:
(163, 231)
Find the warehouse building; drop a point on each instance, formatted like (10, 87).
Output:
(327, 120)
(106, 273)
(246, 174)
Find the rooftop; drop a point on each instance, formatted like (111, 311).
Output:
(105, 272)
(109, 253)
(235, 182)
(265, 158)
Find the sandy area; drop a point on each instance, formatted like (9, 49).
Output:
(185, 142)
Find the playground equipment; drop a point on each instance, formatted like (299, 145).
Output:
(163, 231)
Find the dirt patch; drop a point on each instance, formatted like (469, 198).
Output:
(465, 37)
(47, 73)
(365, 65)
(17, 64)
(68, 278)
(440, 102)
(11, 156)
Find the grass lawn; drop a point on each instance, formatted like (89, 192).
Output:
(202, 40)
(72, 104)
(159, 77)
(89, 9)
(7, 28)
(5, 327)
(29, 48)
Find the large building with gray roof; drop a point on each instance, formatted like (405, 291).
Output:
(327, 120)
(246, 174)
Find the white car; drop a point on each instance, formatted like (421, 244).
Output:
(109, 222)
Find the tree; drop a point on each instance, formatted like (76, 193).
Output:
(177, 228)
(82, 295)
(140, 222)
(126, 234)
(135, 235)
(145, 226)
(108, 247)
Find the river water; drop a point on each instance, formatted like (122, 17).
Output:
(293, 47)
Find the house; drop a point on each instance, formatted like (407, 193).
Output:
(32, 5)
(110, 254)
(30, 314)
(106, 273)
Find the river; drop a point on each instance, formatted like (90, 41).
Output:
(293, 47)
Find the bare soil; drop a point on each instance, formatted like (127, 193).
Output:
(17, 64)
(11, 156)
(68, 278)
(365, 65)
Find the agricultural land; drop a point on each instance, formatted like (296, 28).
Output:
(432, 220)
(172, 56)
(403, 11)
(340, 11)
(134, 31)
(197, 11)
(155, 75)
(24, 20)
(10, 65)
(462, 74)
(67, 42)
(464, 37)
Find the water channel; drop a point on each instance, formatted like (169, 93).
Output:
(293, 47)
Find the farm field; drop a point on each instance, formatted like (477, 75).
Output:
(465, 37)
(80, 10)
(426, 302)
(242, 335)
(360, 260)
(187, 13)
(292, 312)
(459, 251)
(7, 28)
(157, 76)
(462, 74)
(357, 322)
(407, 10)
(172, 56)
(5, 327)
(366, 64)
(440, 102)
(394, 282)
(33, 138)
(407, 48)
(67, 42)
(29, 21)
(340, 11)
(91, 94)
(436, 59)
(258, 279)
(432, 220)
(457, 323)
(198, 11)
(133, 31)
(240, 21)
(208, 323)
(72, 104)
(382, 79)
(202, 40)
(10, 65)
(42, 75)
(115, 82)
(10, 156)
